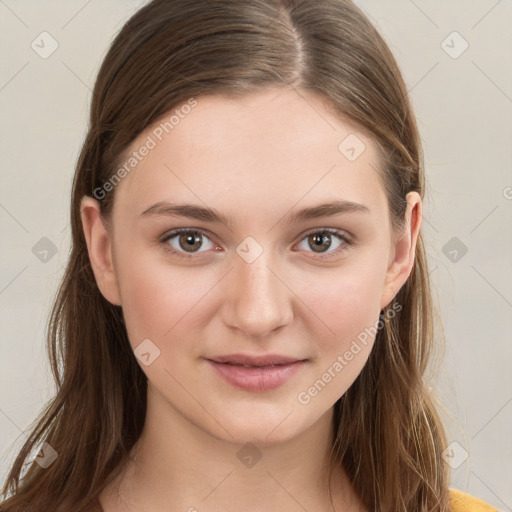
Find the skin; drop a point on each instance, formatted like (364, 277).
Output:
(256, 159)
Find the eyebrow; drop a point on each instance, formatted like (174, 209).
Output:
(206, 214)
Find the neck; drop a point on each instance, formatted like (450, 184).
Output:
(177, 462)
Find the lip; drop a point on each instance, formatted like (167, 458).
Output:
(256, 360)
(261, 373)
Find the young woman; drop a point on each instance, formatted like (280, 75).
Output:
(245, 321)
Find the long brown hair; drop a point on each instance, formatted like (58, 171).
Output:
(388, 435)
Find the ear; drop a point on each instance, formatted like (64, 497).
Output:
(403, 250)
(99, 247)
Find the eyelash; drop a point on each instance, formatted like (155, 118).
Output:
(347, 241)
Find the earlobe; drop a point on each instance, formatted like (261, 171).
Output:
(99, 248)
(404, 250)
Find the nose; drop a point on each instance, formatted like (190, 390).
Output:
(258, 301)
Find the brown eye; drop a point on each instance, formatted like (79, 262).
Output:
(320, 241)
(185, 243)
(190, 242)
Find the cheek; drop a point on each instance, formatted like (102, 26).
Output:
(347, 302)
(349, 306)
(159, 302)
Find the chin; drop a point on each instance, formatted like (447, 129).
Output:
(262, 428)
(259, 435)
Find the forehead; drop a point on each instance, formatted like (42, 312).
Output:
(267, 150)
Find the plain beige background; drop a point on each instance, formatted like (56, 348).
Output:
(455, 56)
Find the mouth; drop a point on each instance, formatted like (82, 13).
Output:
(256, 361)
(254, 366)
(256, 374)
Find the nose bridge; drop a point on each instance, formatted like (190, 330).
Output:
(258, 302)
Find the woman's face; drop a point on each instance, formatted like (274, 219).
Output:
(268, 279)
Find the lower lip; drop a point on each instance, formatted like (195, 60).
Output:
(256, 379)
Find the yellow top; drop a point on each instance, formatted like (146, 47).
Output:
(463, 502)
(459, 502)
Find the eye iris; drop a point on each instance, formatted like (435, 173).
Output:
(190, 241)
(319, 241)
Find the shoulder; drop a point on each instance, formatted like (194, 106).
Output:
(463, 502)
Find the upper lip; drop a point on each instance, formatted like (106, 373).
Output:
(248, 360)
